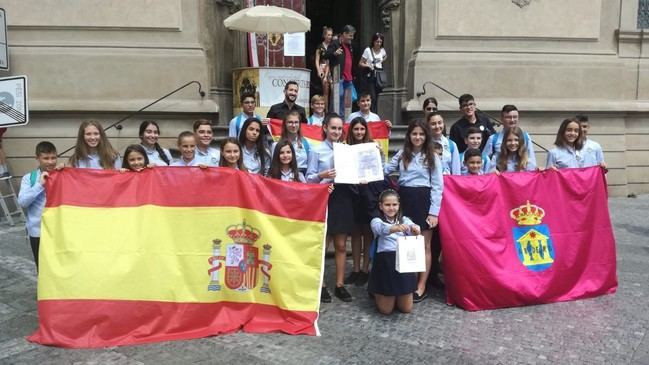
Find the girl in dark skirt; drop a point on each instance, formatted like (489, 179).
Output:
(391, 288)
(420, 185)
(361, 235)
(340, 218)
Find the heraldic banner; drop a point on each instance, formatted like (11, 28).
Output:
(177, 253)
(526, 238)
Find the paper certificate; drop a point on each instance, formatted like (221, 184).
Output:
(357, 163)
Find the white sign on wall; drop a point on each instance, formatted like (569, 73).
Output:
(4, 54)
(273, 80)
(13, 101)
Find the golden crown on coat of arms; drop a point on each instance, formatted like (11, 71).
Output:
(527, 214)
(243, 233)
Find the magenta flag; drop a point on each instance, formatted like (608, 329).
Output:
(526, 238)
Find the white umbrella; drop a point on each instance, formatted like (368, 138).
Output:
(268, 19)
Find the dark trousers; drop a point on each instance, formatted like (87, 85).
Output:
(35, 242)
(436, 251)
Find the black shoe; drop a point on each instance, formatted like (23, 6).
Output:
(351, 279)
(325, 297)
(361, 279)
(416, 298)
(342, 294)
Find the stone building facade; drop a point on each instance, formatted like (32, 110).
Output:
(552, 58)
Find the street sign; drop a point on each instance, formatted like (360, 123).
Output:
(13, 101)
(4, 53)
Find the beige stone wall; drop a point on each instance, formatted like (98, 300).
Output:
(551, 58)
(92, 59)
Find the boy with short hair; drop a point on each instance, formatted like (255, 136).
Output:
(248, 103)
(473, 139)
(32, 193)
(470, 119)
(318, 110)
(364, 111)
(592, 151)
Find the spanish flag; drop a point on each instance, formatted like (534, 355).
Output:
(313, 133)
(177, 253)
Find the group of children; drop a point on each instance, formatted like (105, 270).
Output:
(364, 211)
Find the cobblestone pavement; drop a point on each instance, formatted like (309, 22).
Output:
(605, 330)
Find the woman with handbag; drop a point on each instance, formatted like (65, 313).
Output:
(371, 63)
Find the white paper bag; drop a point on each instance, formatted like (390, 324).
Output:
(411, 254)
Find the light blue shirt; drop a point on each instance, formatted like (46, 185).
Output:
(512, 161)
(93, 162)
(495, 142)
(565, 157)
(387, 242)
(370, 117)
(315, 120)
(252, 161)
(209, 158)
(451, 164)
(182, 163)
(288, 176)
(321, 158)
(235, 124)
(592, 153)
(486, 165)
(32, 198)
(154, 156)
(419, 175)
(302, 157)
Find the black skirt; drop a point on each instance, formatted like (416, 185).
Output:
(415, 203)
(385, 280)
(340, 217)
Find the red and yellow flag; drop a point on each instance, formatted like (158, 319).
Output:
(313, 133)
(177, 253)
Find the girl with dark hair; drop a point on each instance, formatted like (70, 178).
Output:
(362, 234)
(149, 134)
(284, 164)
(568, 145)
(420, 184)
(135, 158)
(256, 157)
(93, 150)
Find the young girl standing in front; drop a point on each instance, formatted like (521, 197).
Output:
(231, 154)
(149, 134)
(340, 219)
(391, 288)
(568, 145)
(135, 158)
(421, 185)
(450, 155)
(513, 157)
(93, 150)
(284, 165)
(256, 157)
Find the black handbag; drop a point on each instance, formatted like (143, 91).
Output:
(380, 75)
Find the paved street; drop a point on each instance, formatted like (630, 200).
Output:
(606, 330)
